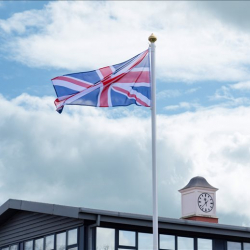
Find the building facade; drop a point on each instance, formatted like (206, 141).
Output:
(26, 225)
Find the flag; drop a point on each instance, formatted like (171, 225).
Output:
(121, 84)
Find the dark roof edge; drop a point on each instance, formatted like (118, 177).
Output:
(40, 207)
(163, 219)
(108, 216)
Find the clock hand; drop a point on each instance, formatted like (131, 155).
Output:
(204, 204)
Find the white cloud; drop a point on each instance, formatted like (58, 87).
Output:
(182, 105)
(233, 12)
(168, 93)
(222, 93)
(216, 143)
(192, 43)
(193, 90)
(21, 22)
(241, 86)
(172, 93)
(228, 98)
(85, 157)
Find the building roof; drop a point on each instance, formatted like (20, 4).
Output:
(118, 219)
(198, 181)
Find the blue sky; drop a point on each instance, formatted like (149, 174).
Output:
(203, 96)
(193, 88)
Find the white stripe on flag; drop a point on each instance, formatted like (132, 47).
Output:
(126, 69)
(81, 94)
(134, 92)
(99, 73)
(68, 85)
(146, 69)
(79, 80)
(141, 84)
(112, 68)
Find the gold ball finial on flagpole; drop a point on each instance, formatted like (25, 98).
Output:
(152, 38)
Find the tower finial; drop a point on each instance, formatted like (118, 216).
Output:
(152, 38)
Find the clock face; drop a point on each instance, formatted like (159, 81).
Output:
(205, 202)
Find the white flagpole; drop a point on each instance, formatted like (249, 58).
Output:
(152, 39)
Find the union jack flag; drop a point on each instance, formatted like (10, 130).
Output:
(121, 84)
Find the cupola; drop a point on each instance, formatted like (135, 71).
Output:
(198, 201)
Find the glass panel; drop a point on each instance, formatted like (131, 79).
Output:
(204, 244)
(61, 241)
(73, 248)
(185, 243)
(145, 241)
(6, 248)
(72, 237)
(167, 242)
(39, 244)
(246, 246)
(49, 242)
(127, 238)
(233, 246)
(28, 245)
(14, 247)
(105, 239)
(126, 248)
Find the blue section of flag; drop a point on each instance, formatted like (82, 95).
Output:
(87, 100)
(89, 76)
(118, 98)
(143, 90)
(62, 91)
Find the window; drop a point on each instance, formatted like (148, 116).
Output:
(167, 242)
(39, 244)
(28, 245)
(61, 241)
(246, 246)
(185, 243)
(105, 238)
(72, 237)
(145, 241)
(204, 244)
(127, 238)
(49, 242)
(13, 247)
(233, 245)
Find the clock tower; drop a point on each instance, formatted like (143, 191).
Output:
(198, 201)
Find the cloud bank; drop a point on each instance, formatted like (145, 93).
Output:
(86, 157)
(194, 42)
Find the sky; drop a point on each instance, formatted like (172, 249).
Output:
(101, 157)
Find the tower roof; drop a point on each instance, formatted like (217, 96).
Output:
(198, 181)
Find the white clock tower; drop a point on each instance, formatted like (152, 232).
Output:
(198, 201)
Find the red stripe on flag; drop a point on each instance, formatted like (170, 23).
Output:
(135, 77)
(71, 80)
(108, 81)
(104, 96)
(58, 104)
(131, 95)
(106, 71)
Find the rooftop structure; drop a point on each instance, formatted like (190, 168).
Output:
(198, 181)
(26, 225)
